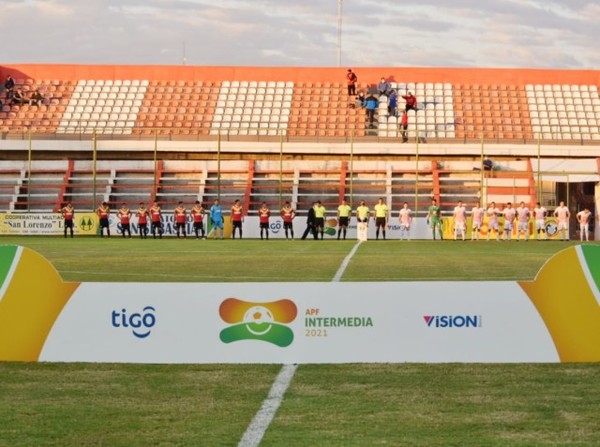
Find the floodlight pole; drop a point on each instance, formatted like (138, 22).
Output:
(339, 32)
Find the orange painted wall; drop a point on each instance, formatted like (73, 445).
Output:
(301, 74)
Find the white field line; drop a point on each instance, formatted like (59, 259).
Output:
(262, 419)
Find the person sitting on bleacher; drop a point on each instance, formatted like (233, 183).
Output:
(360, 100)
(36, 98)
(383, 87)
(9, 86)
(18, 98)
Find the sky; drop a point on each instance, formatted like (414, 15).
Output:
(428, 33)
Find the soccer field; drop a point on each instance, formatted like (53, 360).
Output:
(331, 405)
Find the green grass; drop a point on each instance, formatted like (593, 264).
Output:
(330, 405)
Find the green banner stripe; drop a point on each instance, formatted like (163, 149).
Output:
(591, 253)
(7, 255)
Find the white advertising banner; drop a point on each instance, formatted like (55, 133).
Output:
(554, 318)
(333, 322)
(45, 224)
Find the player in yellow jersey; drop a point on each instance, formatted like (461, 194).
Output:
(381, 217)
(362, 221)
(343, 215)
(319, 219)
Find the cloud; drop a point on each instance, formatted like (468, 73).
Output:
(502, 33)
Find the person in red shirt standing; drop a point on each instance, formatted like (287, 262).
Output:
(179, 215)
(237, 217)
(352, 79)
(411, 102)
(404, 126)
(103, 213)
(68, 214)
(287, 214)
(142, 214)
(155, 221)
(263, 217)
(124, 215)
(198, 217)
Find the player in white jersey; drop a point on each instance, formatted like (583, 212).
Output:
(522, 221)
(539, 214)
(563, 215)
(477, 216)
(492, 214)
(460, 220)
(509, 216)
(583, 217)
(405, 218)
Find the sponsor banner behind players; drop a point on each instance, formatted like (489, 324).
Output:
(551, 228)
(45, 224)
(532, 321)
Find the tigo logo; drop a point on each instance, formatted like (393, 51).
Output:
(140, 323)
(258, 321)
(452, 321)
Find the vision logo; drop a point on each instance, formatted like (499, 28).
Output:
(258, 321)
(450, 321)
(141, 323)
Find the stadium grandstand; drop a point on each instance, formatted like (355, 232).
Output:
(170, 133)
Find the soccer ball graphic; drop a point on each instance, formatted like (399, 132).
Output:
(258, 320)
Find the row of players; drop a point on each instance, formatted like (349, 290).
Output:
(519, 215)
(316, 219)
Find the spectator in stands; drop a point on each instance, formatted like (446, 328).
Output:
(352, 79)
(36, 98)
(360, 100)
(371, 104)
(383, 87)
(9, 86)
(411, 102)
(392, 103)
(18, 98)
(404, 126)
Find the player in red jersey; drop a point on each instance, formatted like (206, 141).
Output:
(103, 213)
(198, 217)
(263, 217)
(124, 215)
(155, 221)
(287, 214)
(179, 216)
(237, 217)
(142, 214)
(68, 213)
